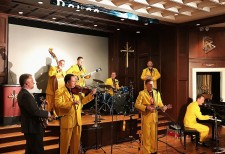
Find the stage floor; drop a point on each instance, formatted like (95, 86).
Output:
(88, 119)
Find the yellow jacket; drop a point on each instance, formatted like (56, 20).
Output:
(74, 69)
(155, 76)
(193, 112)
(54, 76)
(109, 81)
(71, 113)
(143, 100)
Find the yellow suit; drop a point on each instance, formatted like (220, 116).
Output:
(70, 123)
(55, 81)
(109, 81)
(154, 74)
(149, 120)
(74, 69)
(193, 112)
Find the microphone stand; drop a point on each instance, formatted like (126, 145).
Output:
(171, 119)
(96, 126)
(112, 108)
(216, 149)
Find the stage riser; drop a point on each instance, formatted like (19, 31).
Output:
(104, 133)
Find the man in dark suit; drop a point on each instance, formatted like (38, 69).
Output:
(30, 116)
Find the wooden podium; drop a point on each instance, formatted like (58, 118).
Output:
(10, 112)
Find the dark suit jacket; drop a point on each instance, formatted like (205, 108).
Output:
(30, 113)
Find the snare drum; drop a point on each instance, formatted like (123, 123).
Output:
(124, 90)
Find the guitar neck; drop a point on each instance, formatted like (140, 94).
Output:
(83, 76)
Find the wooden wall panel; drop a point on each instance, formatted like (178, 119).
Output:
(196, 43)
(169, 68)
(182, 99)
(3, 48)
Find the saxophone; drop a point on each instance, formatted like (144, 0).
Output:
(44, 121)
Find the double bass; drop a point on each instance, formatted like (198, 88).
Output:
(58, 79)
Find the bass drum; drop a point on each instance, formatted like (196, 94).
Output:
(120, 104)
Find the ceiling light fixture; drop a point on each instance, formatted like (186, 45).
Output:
(122, 19)
(138, 32)
(40, 2)
(20, 12)
(117, 29)
(197, 24)
(53, 18)
(95, 25)
(146, 24)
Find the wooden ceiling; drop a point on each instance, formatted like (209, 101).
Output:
(174, 11)
(164, 11)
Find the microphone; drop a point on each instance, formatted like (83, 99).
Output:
(207, 104)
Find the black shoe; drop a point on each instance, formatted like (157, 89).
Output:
(203, 144)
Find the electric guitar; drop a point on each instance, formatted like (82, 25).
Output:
(91, 73)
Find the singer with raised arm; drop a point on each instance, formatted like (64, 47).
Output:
(70, 105)
(150, 73)
(147, 103)
(192, 113)
(31, 115)
(80, 71)
(56, 76)
(112, 81)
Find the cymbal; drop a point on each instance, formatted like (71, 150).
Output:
(99, 81)
(105, 86)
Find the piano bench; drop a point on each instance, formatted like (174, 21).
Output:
(191, 132)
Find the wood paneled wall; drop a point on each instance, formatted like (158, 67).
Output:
(3, 47)
(198, 58)
(159, 44)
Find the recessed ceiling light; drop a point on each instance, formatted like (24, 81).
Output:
(197, 24)
(53, 18)
(122, 19)
(40, 2)
(20, 12)
(138, 32)
(95, 25)
(117, 29)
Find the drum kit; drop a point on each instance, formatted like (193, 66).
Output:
(118, 101)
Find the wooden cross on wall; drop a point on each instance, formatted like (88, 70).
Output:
(13, 96)
(127, 50)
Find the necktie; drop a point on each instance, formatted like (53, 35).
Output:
(80, 67)
(114, 83)
(151, 95)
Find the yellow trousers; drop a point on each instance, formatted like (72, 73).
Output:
(202, 129)
(51, 104)
(149, 137)
(70, 137)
